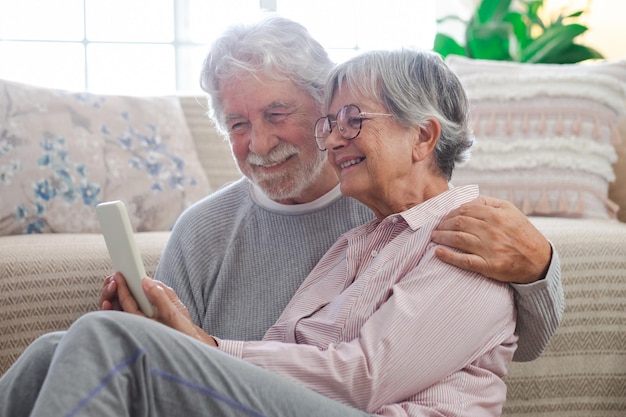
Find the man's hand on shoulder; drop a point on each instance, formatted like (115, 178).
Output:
(495, 239)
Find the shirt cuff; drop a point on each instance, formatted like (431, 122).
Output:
(542, 284)
(232, 347)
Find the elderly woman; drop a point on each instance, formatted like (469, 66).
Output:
(397, 124)
(380, 326)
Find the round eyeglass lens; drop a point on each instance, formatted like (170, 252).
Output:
(322, 131)
(349, 121)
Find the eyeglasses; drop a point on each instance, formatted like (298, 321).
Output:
(349, 120)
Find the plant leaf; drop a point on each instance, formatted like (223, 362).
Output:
(450, 17)
(575, 14)
(532, 14)
(489, 49)
(492, 10)
(561, 17)
(490, 41)
(445, 45)
(571, 55)
(518, 27)
(533, 7)
(553, 40)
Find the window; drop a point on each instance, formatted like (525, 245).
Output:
(348, 27)
(157, 46)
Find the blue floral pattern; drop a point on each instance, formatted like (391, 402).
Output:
(67, 181)
(150, 154)
(63, 153)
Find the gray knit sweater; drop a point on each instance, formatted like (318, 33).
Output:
(235, 262)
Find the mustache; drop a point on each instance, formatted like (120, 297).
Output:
(278, 154)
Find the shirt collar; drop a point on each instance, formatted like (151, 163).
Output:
(264, 201)
(436, 208)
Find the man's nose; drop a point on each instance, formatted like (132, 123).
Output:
(262, 139)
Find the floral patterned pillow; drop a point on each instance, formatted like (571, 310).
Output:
(62, 153)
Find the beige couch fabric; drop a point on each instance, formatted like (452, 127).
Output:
(47, 281)
(583, 371)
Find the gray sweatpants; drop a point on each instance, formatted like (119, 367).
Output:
(111, 363)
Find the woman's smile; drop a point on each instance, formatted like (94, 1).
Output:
(351, 162)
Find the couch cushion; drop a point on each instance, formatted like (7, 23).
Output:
(213, 149)
(546, 134)
(617, 189)
(61, 153)
(48, 281)
(583, 370)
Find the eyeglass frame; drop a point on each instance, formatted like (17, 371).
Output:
(362, 115)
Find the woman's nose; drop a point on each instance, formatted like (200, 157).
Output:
(335, 140)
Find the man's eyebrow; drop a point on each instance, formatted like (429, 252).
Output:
(280, 105)
(271, 106)
(230, 117)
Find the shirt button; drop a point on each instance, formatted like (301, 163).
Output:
(374, 253)
(394, 220)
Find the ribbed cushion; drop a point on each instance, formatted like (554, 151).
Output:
(47, 281)
(546, 134)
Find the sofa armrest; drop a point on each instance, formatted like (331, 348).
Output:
(47, 281)
(583, 370)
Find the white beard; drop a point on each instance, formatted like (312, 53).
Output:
(285, 184)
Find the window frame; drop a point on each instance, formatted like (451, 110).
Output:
(186, 51)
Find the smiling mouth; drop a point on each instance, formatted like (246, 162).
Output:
(272, 164)
(351, 162)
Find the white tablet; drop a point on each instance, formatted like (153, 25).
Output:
(125, 258)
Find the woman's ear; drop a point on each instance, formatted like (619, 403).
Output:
(427, 138)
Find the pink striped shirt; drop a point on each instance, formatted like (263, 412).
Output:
(384, 326)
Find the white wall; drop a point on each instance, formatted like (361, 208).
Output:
(609, 28)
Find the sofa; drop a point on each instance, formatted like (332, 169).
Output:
(52, 275)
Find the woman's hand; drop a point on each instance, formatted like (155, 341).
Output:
(108, 295)
(168, 309)
(496, 240)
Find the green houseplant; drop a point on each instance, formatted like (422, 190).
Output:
(514, 31)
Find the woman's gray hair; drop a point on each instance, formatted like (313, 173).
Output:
(273, 46)
(414, 86)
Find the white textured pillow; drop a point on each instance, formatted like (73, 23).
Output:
(61, 153)
(546, 133)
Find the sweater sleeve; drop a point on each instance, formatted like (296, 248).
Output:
(539, 312)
